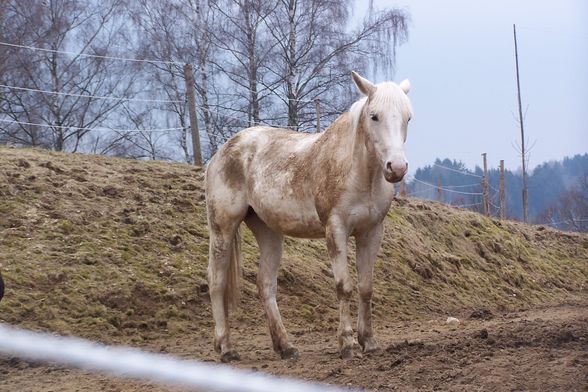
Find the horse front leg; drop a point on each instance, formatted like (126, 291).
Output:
(367, 245)
(337, 236)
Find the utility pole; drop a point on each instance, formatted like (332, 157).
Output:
(523, 152)
(402, 188)
(501, 192)
(189, 79)
(317, 103)
(485, 188)
(439, 190)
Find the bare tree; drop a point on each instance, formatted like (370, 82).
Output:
(78, 27)
(570, 211)
(255, 62)
(178, 29)
(246, 45)
(315, 53)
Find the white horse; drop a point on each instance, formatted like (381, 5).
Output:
(332, 185)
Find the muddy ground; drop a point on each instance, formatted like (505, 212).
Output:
(542, 349)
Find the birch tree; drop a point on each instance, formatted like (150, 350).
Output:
(77, 27)
(317, 48)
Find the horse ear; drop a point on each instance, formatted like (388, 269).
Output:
(405, 86)
(363, 85)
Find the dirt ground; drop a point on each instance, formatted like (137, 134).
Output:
(542, 349)
(116, 250)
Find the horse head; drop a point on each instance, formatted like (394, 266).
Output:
(384, 118)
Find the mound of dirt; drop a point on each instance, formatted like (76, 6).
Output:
(116, 250)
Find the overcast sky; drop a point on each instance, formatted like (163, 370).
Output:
(460, 61)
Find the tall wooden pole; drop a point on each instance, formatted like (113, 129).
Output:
(485, 188)
(523, 152)
(189, 79)
(439, 190)
(403, 188)
(317, 103)
(501, 192)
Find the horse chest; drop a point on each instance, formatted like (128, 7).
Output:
(366, 214)
(368, 210)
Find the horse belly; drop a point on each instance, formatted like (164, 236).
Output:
(288, 215)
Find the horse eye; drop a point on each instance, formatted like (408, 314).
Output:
(374, 117)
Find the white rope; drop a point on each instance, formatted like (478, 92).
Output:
(567, 221)
(264, 89)
(90, 129)
(446, 190)
(137, 100)
(467, 205)
(89, 96)
(89, 55)
(494, 189)
(457, 171)
(133, 363)
(462, 186)
(246, 121)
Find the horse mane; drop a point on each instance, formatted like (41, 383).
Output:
(355, 113)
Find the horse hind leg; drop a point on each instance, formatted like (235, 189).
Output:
(223, 273)
(270, 246)
(218, 277)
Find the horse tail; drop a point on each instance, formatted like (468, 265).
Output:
(232, 290)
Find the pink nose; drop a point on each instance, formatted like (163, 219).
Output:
(396, 170)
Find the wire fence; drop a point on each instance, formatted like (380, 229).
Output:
(140, 365)
(89, 55)
(458, 171)
(445, 189)
(91, 96)
(90, 128)
(114, 98)
(452, 189)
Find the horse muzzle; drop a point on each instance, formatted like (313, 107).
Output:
(395, 171)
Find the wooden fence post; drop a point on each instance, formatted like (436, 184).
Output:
(189, 79)
(502, 192)
(485, 190)
(439, 190)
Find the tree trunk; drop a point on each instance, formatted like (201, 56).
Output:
(253, 94)
(291, 72)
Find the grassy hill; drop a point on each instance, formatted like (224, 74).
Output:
(117, 249)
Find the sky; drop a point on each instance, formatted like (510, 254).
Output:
(460, 61)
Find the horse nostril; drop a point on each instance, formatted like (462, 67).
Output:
(406, 167)
(389, 166)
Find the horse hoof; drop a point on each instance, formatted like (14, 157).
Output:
(371, 348)
(350, 353)
(290, 353)
(230, 356)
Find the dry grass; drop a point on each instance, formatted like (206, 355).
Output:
(116, 250)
